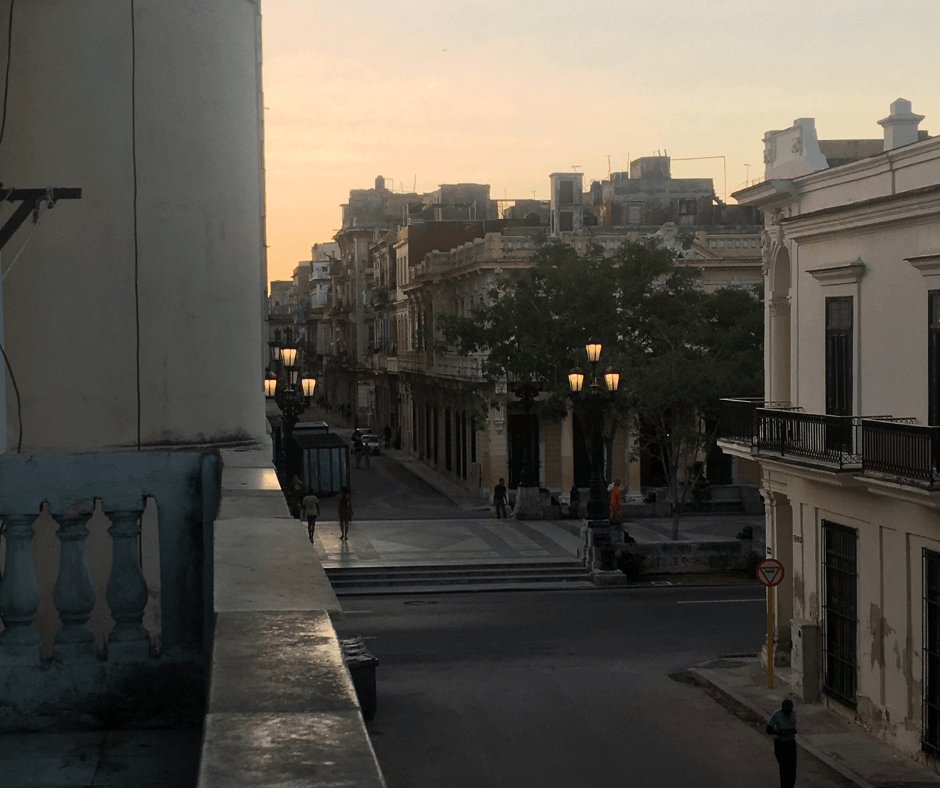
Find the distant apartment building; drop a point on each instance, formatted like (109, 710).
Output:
(408, 258)
(848, 435)
(381, 228)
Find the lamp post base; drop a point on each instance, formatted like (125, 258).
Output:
(600, 543)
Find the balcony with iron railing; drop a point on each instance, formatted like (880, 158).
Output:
(902, 451)
(884, 446)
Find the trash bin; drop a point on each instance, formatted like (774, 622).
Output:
(361, 665)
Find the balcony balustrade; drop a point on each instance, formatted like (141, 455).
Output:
(903, 451)
(94, 504)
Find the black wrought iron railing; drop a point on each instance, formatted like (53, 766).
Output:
(901, 449)
(737, 418)
(814, 437)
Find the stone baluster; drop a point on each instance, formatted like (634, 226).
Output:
(127, 590)
(19, 594)
(74, 592)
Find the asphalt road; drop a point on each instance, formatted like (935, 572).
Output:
(564, 689)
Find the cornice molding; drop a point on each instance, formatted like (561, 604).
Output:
(916, 207)
(927, 264)
(844, 274)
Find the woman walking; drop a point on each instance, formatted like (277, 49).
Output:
(345, 512)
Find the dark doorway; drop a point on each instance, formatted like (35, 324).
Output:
(523, 431)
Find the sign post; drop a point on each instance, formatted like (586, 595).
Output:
(770, 574)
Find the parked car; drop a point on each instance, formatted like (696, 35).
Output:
(372, 441)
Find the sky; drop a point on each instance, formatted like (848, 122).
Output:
(506, 93)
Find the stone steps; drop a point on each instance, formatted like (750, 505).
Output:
(562, 573)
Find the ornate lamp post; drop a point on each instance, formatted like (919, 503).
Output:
(599, 538)
(292, 393)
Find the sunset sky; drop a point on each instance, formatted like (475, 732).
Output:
(508, 92)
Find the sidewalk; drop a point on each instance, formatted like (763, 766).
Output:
(857, 755)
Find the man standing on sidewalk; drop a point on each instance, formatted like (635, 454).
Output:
(499, 498)
(782, 724)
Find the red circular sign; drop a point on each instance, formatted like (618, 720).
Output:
(770, 572)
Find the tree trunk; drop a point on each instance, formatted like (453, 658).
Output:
(674, 494)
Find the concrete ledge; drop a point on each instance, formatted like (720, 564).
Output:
(278, 662)
(271, 749)
(282, 708)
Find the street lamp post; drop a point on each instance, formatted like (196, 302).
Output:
(599, 538)
(292, 392)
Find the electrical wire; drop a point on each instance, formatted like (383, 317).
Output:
(136, 240)
(6, 77)
(3, 126)
(19, 406)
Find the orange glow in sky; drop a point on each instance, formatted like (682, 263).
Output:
(508, 92)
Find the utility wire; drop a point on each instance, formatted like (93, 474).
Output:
(136, 243)
(3, 126)
(6, 77)
(19, 406)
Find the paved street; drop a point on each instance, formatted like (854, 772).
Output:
(560, 689)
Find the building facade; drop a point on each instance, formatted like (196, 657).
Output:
(848, 435)
(440, 406)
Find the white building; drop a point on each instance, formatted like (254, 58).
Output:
(849, 438)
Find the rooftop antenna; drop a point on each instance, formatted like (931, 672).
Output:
(575, 167)
(609, 174)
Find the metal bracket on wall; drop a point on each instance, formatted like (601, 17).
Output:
(29, 200)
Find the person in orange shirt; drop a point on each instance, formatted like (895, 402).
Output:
(615, 501)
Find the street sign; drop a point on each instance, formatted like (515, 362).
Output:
(770, 572)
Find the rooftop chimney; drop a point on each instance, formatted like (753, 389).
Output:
(901, 125)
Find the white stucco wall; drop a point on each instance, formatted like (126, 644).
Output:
(195, 266)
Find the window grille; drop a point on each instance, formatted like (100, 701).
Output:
(840, 579)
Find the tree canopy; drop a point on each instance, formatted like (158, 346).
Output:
(677, 347)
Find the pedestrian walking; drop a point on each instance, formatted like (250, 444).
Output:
(311, 506)
(367, 454)
(358, 448)
(345, 512)
(574, 501)
(615, 510)
(782, 725)
(499, 498)
(387, 434)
